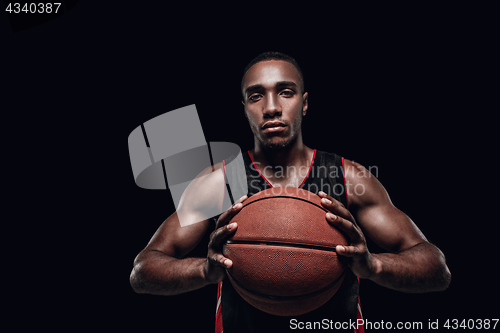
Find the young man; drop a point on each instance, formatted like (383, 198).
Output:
(275, 101)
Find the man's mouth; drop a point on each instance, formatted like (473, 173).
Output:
(273, 126)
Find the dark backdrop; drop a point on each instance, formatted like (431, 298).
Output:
(408, 94)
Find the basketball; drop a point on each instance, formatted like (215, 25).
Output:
(283, 252)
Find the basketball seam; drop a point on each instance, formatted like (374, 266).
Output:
(284, 244)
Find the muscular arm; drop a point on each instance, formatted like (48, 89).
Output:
(411, 264)
(161, 267)
(421, 268)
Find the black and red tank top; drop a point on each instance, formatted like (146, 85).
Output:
(235, 315)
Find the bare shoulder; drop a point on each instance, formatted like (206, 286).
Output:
(362, 186)
(204, 196)
(373, 210)
(182, 230)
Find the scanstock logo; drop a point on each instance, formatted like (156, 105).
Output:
(170, 151)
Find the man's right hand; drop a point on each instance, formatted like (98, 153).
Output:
(216, 263)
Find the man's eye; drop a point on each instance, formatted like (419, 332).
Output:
(287, 92)
(254, 98)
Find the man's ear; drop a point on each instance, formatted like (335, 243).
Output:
(305, 103)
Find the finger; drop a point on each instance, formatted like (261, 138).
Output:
(221, 234)
(219, 260)
(348, 251)
(335, 206)
(243, 198)
(225, 217)
(346, 226)
(329, 197)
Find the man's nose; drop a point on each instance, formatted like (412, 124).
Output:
(272, 107)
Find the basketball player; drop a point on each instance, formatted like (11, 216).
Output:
(274, 102)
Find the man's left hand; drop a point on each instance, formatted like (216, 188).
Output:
(361, 261)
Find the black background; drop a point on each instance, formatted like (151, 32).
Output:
(406, 90)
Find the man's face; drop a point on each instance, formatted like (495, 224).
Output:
(274, 102)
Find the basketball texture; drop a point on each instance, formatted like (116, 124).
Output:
(283, 252)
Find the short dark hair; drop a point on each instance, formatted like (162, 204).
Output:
(274, 56)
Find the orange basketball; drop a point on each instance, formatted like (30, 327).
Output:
(283, 252)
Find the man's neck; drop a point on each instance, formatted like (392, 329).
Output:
(285, 166)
